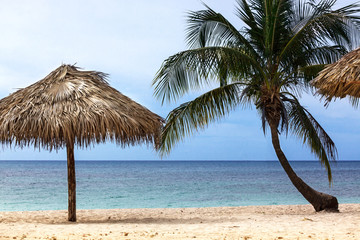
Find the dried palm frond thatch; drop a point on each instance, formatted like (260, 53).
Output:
(75, 106)
(341, 78)
(70, 107)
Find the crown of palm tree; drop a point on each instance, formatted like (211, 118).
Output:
(267, 63)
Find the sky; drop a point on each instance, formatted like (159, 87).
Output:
(129, 40)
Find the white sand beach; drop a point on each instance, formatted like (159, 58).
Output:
(251, 222)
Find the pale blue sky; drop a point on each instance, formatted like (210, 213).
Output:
(129, 40)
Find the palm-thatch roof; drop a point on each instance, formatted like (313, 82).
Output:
(341, 78)
(74, 106)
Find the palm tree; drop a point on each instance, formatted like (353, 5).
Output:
(268, 62)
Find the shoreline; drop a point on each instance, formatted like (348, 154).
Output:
(249, 222)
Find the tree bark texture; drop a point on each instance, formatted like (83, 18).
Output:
(320, 201)
(71, 182)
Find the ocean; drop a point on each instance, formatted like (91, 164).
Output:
(42, 185)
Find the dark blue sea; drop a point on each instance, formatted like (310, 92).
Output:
(42, 185)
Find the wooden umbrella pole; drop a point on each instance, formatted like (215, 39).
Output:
(71, 182)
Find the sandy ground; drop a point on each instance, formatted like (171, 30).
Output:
(253, 222)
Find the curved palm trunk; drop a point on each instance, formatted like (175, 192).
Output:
(71, 182)
(320, 201)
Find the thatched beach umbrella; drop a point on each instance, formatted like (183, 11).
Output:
(71, 107)
(341, 78)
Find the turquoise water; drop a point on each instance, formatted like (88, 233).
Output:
(42, 185)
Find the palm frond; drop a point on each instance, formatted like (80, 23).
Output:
(305, 126)
(209, 28)
(352, 20)
(252, 21)
(325, 54)
(193, 69)
(320, 25)
(197, 114)
(248, 93)
(277, 31)
(310, 72)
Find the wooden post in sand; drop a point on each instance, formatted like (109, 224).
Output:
(71, 182)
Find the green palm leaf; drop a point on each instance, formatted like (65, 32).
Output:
(209, 28)
(310, 72)
(192, 69)
(305, 126)
(197, 114)
(320, 24)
